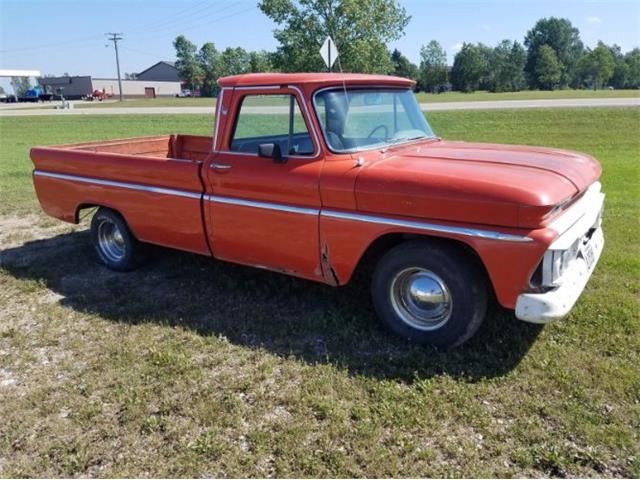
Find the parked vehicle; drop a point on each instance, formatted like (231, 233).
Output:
(184, 93)
(34, 95)
(351, 174)
(99, 95)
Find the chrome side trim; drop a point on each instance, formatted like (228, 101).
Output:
(428, 227)
(264, 205)
(472, 232)
(111, 183)
(257, 87)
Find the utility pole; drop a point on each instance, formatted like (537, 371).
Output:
(114, 37)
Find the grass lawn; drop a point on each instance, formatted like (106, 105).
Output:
(153, 102)
(191, 367)
(524, 95)
(422, 97)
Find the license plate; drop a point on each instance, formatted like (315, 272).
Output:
(588, 255)
(588, 250)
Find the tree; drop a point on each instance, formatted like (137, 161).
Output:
(20, 85)
(186, 63)
(506, 67)
(620, 70)
(469, 65)
(487, 79)
(547, 71)
(632, 59)
(130, 76)
(360, 28)
(208, 59)
(260, 61)
(402, 66)
(563, 39)
(596, 67)
(234, 61)
(433, 67)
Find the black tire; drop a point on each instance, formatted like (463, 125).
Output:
(449, 313)
(116, 246)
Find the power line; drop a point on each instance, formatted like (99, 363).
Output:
(179, 17)
(128, 49)
(50, 45)
(192, 27)
(189, 11)
(167, 29)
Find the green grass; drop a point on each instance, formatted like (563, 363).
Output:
(422, 97)
(153, 102)
(190, 367)
(482, 96)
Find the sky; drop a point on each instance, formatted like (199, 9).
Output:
(58, 36)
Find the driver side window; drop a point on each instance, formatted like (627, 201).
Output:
(271, 119)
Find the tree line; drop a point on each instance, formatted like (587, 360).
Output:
(552, 55)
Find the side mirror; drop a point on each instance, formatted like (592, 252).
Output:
(271, 150)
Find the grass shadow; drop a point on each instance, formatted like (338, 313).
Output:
(260, 309)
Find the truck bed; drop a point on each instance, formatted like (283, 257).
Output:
(154, 182)
(185, 147)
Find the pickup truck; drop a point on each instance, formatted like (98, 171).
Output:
(316, 175)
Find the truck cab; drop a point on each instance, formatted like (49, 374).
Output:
(314, 175)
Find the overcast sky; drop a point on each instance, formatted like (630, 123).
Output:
(68, 35)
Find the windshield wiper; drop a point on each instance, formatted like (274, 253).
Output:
(406, 139)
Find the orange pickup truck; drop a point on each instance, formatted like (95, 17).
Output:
(314, 175)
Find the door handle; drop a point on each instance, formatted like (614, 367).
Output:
(220, 166)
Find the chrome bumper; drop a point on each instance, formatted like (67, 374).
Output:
(580, 235)
(557, 303)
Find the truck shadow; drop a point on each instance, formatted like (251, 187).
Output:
(260, 309)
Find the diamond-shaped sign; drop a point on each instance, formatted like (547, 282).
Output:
(329, 52)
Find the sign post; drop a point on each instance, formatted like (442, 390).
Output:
(329, 52)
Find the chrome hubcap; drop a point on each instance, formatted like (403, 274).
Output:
(110, 241)
(421, 298)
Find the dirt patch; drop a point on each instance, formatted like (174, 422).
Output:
(15, 230)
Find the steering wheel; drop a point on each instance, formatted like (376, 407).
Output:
(386, 131)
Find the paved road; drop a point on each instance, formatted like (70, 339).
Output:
(429, 107)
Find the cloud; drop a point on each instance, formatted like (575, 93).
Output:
(455, 48)
(593, 20)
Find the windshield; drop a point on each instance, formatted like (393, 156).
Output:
(369, 118)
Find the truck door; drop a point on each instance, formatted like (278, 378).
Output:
(263, 209)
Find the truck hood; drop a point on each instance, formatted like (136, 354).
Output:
(506, 185)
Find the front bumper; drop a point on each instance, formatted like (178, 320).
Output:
(557, 303)
(581, 236)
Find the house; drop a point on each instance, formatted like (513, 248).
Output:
(162, 71)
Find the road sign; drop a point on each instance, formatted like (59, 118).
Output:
(329, 52)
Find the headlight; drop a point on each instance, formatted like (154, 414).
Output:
(553, 265)
(558, 261)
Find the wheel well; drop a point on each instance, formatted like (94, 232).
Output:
(386, 242)
(84, 206)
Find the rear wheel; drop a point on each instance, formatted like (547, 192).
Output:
(430, 293)
(115, 244)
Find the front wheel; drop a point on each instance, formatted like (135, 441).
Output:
(116, 246)
(430, 293)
